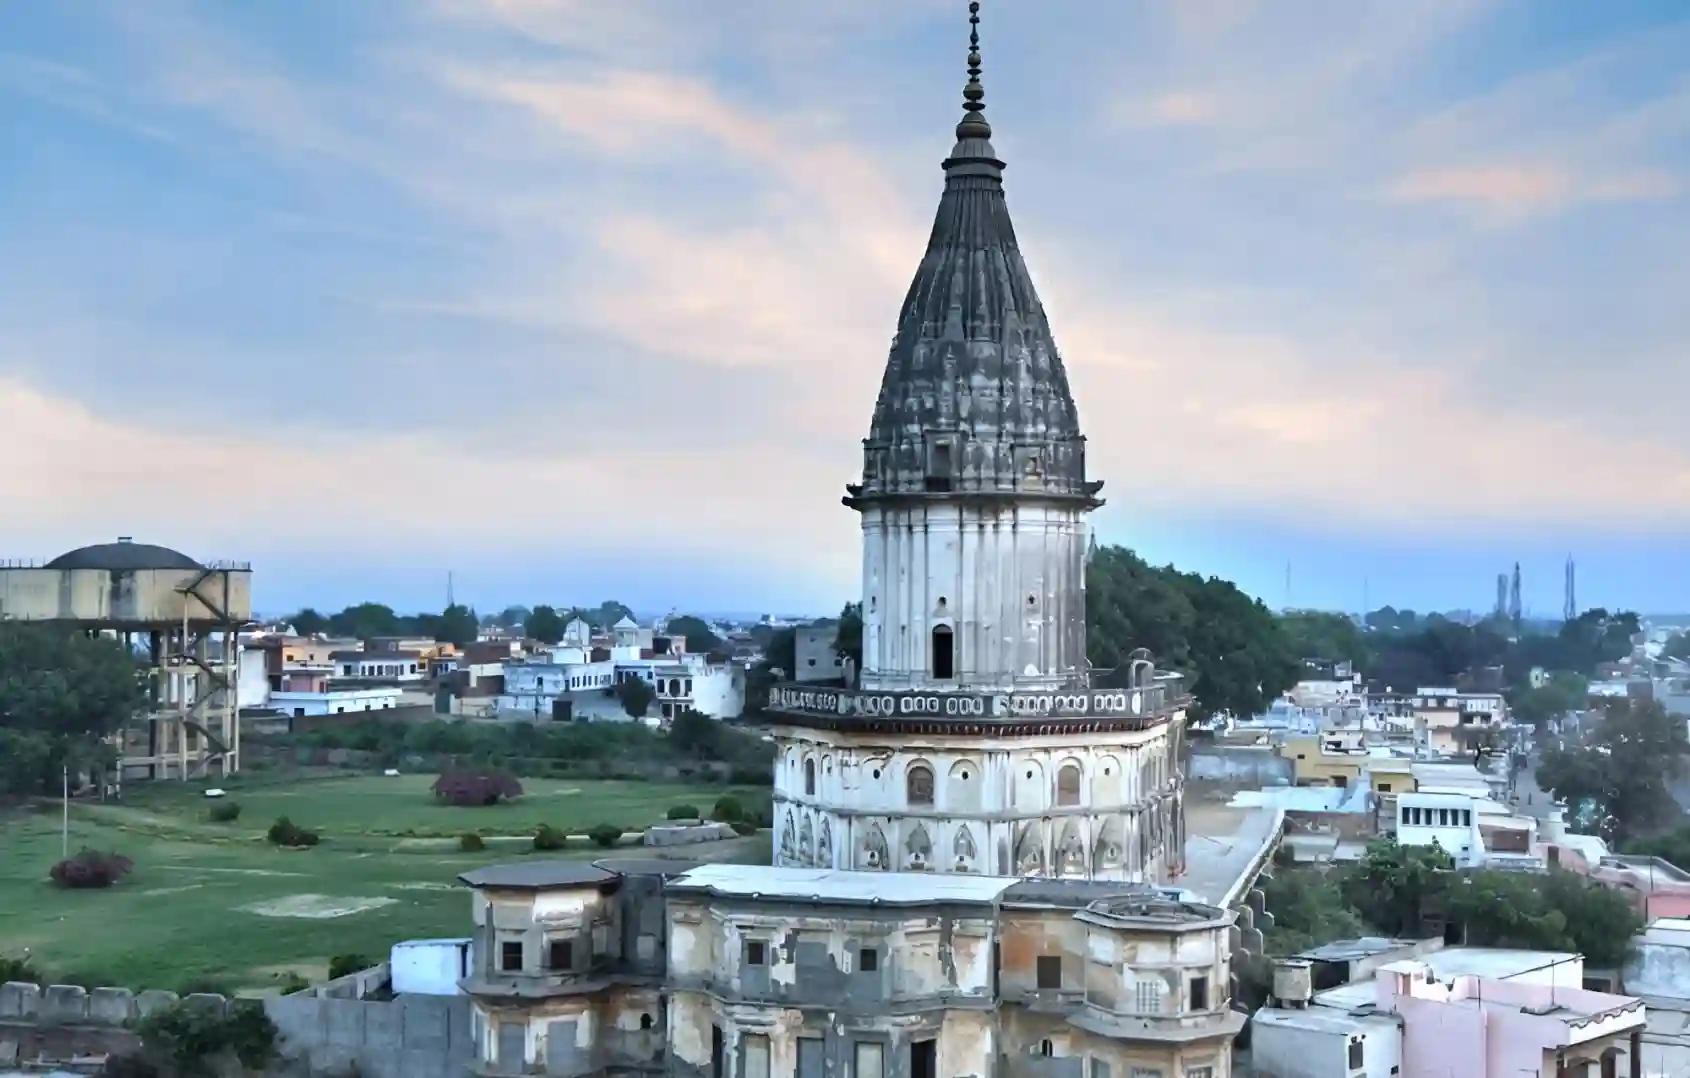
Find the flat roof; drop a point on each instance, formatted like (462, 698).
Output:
(1320, 1019)
(1221, 843)
(1495, 963)
(1360, 947)
(837, 885)
(532, 875)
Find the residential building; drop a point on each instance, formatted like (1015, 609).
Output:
(1658, 972)
(334, 700)
(814, 653)
(379, 665)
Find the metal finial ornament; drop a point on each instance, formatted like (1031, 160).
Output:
(973, 123)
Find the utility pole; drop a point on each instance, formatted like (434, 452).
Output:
(64, 814)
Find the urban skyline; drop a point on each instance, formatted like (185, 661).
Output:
(1352, 320)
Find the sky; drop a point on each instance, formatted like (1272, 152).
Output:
(580, 299)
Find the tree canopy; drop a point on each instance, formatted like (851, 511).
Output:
(61, 694)
(636, 696)
(457, 625)
(1317, 634)
(544, 624)
(1234, 653)
(698, 634)
(848, 639)
(1623, 770)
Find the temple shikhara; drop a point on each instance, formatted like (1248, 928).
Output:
(977, 738)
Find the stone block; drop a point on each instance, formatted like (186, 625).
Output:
(64, 1004)
(111, 1006)
(19, 999)
(209, 1002)
(154, 1000)
(426, 1023)
(345, 1022)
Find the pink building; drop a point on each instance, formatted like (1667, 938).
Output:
(1505, 1029)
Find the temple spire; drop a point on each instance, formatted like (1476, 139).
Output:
(973, 123)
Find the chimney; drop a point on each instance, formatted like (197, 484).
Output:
(1293, 983)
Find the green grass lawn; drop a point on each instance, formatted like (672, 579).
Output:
(195, 905)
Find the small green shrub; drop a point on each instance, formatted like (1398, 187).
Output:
(191, 1039)
(728, 809)
(470, 842)
(342, 964)
(605, 835)
(225, 811)
(17, 969)
(284, 832)
(684, 812)
(290, 982)
(547, 837)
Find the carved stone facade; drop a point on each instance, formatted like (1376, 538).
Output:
(1105, 805)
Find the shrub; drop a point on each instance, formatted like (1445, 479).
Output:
(129, 1066)
(606, 835)
(342, 964)
(191, 1039)
(284, 832)
(684, 812)
(17, 969)
(470, 786)
(225, 811)
(470, 842)
(91, 868)
(547, 837)
(728, 809)
(290, 982)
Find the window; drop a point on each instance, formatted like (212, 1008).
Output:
(646, 1021)
(1068, 785)
(944, 667)
(1383, 787)
(869, 1059)
(1099, 1068)
(812, 1057)
(755, 1047)
(1199, 1072)
(1144, 1072)
(1147, 996)
(1046, 1049)
(510, 956)
(924, 1059)
(918, 783)
(561, 955)
(1357, 1059)
(868, 960)
(1199, 993)
(1050, 971)
(810, 777)
(756, 953)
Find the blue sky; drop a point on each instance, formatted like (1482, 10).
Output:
(584, 299)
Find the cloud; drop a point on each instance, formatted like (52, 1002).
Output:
(1515, 191)
(1174, 108)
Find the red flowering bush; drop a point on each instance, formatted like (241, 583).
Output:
(91, 868)
(469, 786)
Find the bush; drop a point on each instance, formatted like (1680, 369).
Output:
(605, 835)
(17, 969)
(466, 787)
(470, 842)
(290, 982)
(91, 868)
(225, 811)
(129, 1066)
(684, 812)
(342, 964)
(191, 1039)
(547, 837)
(728, 809)
(284, 832)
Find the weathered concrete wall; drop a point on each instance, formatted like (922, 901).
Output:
(1240, 765)
(408, 1037)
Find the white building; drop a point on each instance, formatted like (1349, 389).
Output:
(379, 665)
(1447, 820)
(814, 654)
(336, 701)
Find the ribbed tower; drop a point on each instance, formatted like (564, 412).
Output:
(974, 485)
(975, 741)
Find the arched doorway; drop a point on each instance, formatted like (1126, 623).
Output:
(944, 656)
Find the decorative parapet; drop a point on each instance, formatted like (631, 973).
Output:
(966, 713)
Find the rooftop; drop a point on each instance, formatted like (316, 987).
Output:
(533, 875)
(1320, 1019)
(834, 885)
(1349, 950)
(1222, 845)
(1491, 963)
(123, 555)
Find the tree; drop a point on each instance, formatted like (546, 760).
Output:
(514, 617)
(697, 632)
(848, 640)
(1625, 769)
(1391, 883)
(1564, 692)
(364, 621)
(62, 693)
(1308, 910)
(458, 625)
(695, 734)
(1678, 647)
(1316, 634)
(309, 623)
(192, 1039)
(1234, 653)
(636, 696)
(543, 624)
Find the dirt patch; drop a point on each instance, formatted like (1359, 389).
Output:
(234, 871)
(317, 907)
(424, 886)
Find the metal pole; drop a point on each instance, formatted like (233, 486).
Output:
(64, 817)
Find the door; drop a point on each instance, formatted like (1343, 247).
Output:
(924, 1059)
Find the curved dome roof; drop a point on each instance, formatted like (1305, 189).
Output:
(124, 554)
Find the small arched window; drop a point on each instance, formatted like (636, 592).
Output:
(810, 777)
(918, 785)
(944, 662)
(1068, 785)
